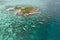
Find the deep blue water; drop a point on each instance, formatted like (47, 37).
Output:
(54, 30)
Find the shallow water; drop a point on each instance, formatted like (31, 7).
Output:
(36, 27)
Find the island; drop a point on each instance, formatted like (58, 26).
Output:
(25, 11)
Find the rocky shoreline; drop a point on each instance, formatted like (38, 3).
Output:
(24, 11)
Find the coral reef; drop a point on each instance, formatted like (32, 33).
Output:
(14, 27)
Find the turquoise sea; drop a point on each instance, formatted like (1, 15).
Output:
(43, 26)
